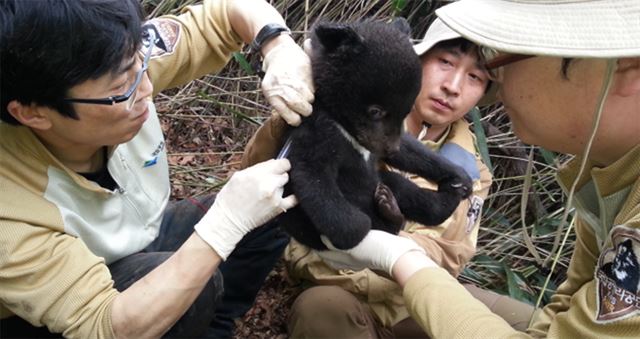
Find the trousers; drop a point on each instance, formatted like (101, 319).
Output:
(332, 312)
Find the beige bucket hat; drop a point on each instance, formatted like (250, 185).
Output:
(439, 32)
(567, 28)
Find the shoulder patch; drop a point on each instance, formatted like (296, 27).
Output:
(461, 157)
(168, 33)
(618, 276)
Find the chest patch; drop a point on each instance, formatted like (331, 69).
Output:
(167, 35)
(618, 276)
(475, 208)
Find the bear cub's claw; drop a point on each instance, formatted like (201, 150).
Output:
(388, 206)
(459, 183)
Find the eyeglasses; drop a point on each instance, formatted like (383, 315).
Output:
(505, 59)
(129, 96)
(494, 66)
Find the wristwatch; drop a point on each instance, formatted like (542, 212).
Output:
(266, 33)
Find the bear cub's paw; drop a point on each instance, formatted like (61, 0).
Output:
(388, 208)
(458, 182)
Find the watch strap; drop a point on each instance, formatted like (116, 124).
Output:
(266, 33)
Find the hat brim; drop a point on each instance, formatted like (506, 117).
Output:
(436, 33)
(564, 28)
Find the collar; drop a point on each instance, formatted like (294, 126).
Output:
(602, 193)
(458, 133)
(607, 180)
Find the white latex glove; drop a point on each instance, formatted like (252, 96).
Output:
(249, 199)
(378, 251)
(287, 83)
(306, 47)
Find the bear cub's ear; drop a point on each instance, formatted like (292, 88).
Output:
(402, 25)
(336, 39)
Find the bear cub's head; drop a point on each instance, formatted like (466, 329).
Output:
(367, 77)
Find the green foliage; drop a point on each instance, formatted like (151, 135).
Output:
(244, 64)
(398, 6)
(481, 138)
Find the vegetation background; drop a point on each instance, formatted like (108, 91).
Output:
(208, 122)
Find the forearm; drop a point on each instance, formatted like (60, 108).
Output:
(154, 303)
(408, 264)
(444, 309)
(247, 17)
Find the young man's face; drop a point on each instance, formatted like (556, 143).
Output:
(103, 124)
(452, 83)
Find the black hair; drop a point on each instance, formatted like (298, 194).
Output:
(465, 47)
(49, 46)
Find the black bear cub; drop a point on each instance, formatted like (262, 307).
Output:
(366, 77)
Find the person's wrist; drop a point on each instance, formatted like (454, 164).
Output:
(268, 36)
(219, 231)
(408, 264)
(282, 39)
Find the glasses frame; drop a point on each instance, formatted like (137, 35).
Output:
(505, 59)
(129, 95)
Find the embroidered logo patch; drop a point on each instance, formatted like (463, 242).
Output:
(154, 156)
(475, 208)
(167, 35)
(618, 276)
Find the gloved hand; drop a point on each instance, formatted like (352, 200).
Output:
(377, 251)
(249, 199)
(306, 47)
(287, 83)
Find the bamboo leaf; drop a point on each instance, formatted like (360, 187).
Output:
(548, 156)
(481, 138)
(244, 64)
(514, 283)
(398, 6)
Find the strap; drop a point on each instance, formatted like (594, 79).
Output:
(266, 33)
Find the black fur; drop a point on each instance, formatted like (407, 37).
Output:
(367, 77)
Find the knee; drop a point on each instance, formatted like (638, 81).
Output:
(327, 311)
(320, 300)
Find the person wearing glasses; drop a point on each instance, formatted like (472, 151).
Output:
(454, 80)
(569, 76)
(91, 247)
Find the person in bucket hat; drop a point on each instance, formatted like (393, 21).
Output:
(454, 80)
(569, 78)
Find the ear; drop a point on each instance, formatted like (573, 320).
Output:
(627, 77)
(33, 116)
(402, 25)
(336, 38)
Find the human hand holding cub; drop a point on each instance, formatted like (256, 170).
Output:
(288, 84)
(252, 197)
(378, 250)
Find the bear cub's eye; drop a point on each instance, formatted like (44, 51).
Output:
(376, 112)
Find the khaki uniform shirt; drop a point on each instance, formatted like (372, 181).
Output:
(58, 230)
(451, 244)
(600, 297)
